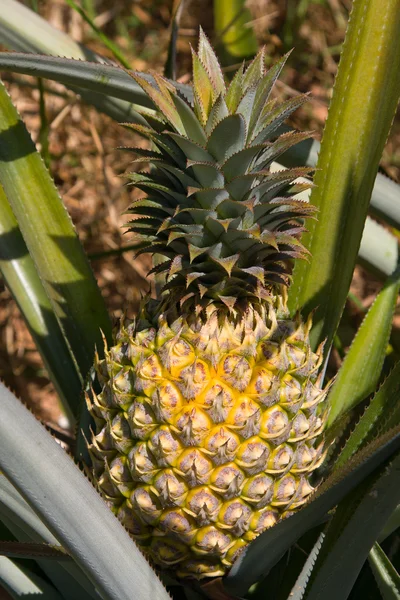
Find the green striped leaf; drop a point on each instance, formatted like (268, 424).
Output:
(26, 526)
(20, 275)
(361, 369)
(51, 239)
(385, 574)
(364, 101)
(20, 582)
(71, 508)
(231, 18)
(382, 413)
(351, 533)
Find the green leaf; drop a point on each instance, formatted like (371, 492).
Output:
(351, 533)
(102, 78)
(364, 101)
(385, 574)
(383, 412)
(27, 527)
(379, 249)
(227, 138)
(361, 368)
(209, 59)
(51, 239)
(298, 590)
(32, 551)
(24, 30)
(71, 508)
(20, 275)
(257, 558)
(391, 525)
(21, 583)
(235, 34)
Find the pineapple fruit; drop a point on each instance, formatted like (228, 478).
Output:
(209, 423)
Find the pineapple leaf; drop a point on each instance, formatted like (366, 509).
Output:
(257, 559)
(255, 71)
(21, 582)
(246, 104)
(382, 413)
(227, 138)
(299, 588)
(207, 174)
(191, 124)
(352, 531)
(218, 112)
(164, 103)
(23, 281)
(391, 525)
(51, 239)
(32, 550)
(192, 151)
(202, 88)
(69, 505)
(385, 574)
(96, 77)
(354, 136)
(211, 64)
(235, 90)
(271, 118)
(27, 527)
(360, 371)
(264, 90)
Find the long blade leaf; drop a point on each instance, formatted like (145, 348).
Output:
(353, 140)
(51, 239)
(27, 527)
(21, 583)
(71, 508)
(98, 77)
(361, 369)
(24, 30)
(385, 574)
(351, 534)
(382, 413)
(20, 275)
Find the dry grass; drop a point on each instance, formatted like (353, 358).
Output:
(87, 165)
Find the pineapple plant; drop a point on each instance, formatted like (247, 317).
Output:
(213, 430)
(209, 423)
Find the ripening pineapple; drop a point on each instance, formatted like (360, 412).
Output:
(209, 423)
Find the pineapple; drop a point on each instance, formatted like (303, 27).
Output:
(209, 422)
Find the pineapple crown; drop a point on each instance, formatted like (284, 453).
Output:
(226, 226)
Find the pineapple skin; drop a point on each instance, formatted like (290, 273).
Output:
(208, 432)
